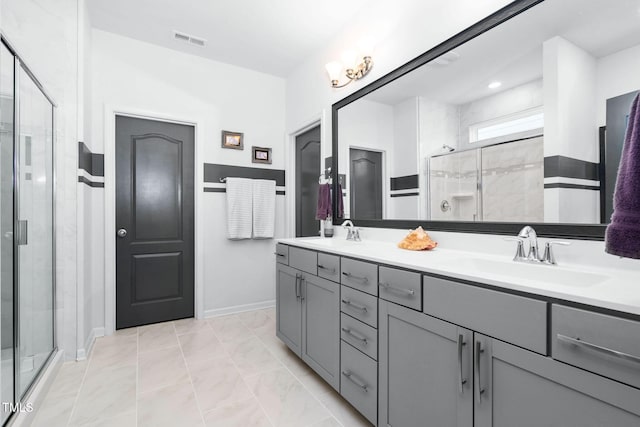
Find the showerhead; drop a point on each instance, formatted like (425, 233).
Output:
(448, 148)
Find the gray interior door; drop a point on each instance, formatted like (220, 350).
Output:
(154, 221)
(307, 173)
(366, 184)
(618, 109)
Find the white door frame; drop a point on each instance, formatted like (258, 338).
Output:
(110, 114)
(290, 151)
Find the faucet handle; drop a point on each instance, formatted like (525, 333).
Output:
(356, 234)
(548, 257)
(520, 249)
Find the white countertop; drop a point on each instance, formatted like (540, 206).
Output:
(609, 288)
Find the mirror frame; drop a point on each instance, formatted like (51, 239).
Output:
(566, 231)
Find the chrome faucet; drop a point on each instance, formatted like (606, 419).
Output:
(353, 233)
(528, 233)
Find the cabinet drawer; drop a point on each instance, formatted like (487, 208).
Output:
(602, 344)
(282, 254)
(361, 336)
(359, 381)
(517, 320)
(359, 275)
(400, 286)
(329, 267)
(303, 259)
(357, 304)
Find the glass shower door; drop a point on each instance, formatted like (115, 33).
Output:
(34, 228)
(6, 228)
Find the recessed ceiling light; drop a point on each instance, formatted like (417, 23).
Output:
(494, 85)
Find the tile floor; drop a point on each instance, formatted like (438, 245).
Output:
(228, 371)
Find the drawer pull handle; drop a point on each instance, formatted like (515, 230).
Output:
(330, 270)
(355, 380)
(356, 306)
(395, 289)
(351, 276)
(279, 254)
(298, 285)
(461, 380)
(478, 380)
(350, 332)
(599, 349)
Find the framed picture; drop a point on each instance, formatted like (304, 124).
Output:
(232, 140)
(261, 155)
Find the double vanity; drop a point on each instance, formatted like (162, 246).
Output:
(451, 338)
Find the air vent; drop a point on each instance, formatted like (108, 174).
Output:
(183, 37)
(196, 41)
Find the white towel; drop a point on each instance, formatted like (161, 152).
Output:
(239, 208)
(264, 208)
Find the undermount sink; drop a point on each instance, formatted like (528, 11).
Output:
(540, 273)
(328, 242)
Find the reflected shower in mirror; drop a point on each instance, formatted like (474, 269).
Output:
(523, 123)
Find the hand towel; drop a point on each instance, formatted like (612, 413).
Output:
(239, 208)
(264, 208)
(623, 234)
(323, 210)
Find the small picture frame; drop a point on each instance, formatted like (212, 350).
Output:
(232, 140)
(261, 155)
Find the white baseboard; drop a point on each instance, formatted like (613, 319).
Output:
(239, 308)
(38, 392)
(84, 352)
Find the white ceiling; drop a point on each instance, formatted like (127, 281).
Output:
(268, 36)
(512, 53)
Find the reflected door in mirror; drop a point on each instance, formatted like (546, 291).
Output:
(366, 184)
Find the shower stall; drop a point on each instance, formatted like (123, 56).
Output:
(26, 231)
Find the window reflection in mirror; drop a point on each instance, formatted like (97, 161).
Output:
(524, 123)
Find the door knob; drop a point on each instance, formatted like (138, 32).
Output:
(122, 233)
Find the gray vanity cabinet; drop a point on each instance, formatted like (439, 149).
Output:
(425, 371)
(289, 307)
(321, 327)
(308, 316)
(516, 387)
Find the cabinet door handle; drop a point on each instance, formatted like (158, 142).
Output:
(397, 290)
(351, 276)
(479, 389)
(598, 349)
(356, 306)
(350, 332)
(330, 270)
(297, 285)
(355, 380)
(279, 254)
(461, 380)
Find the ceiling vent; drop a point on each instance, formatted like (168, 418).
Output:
(183, 37)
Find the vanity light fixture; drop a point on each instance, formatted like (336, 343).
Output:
(354, 69)
(495, 85)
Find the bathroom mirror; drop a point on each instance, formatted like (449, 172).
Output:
(518, 119)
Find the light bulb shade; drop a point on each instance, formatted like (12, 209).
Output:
(333, 69)
(349, 59)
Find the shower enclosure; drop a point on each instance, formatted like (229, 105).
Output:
(26, 234)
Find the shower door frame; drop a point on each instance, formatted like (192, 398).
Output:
(19, 67)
